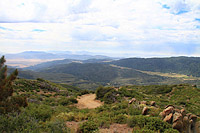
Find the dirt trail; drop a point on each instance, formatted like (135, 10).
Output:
(88, 101)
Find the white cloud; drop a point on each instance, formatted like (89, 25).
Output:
(124, 26)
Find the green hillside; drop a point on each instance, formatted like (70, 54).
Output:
(105, 74)
(52, 107)
(180, 65)
(91, 75)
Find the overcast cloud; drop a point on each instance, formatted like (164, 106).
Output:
(142, 28)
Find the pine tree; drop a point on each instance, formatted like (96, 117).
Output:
(8, 103)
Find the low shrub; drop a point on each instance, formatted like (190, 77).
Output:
(67, 101)
(56, 126)
(88, 127)
(66, 116)
(121, 119)
(15, 122)
(150, 123)
(41, 112)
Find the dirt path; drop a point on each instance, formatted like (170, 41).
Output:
(88, 101)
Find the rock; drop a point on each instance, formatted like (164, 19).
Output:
(168, 110)
(183, 112)
(152, 103)
(169, 106)
(178, 125)
(193, 117)
(168, 118)
(194, 86)
(177, 110)
(186, 124)
(162, 114)
(132, 100)
(143, 102)
(177, 116)
(145, 111)
(188, 114)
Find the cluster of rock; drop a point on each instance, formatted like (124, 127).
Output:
(181, 121)
(145, 109)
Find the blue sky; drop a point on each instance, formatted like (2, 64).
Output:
(142, 28)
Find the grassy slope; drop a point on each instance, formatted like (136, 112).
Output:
(55, 105)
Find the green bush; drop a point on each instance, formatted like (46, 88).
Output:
(104, 122)
(143, 130)
(150, 123)
(134, 109)
(110, 97)
(67, 101)
(88, 127)
(66, 116)
(15, 122)
(101, 91)
(121, 119)
(41, 112)
(56, 126)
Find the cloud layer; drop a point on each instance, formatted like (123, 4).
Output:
(116, 27)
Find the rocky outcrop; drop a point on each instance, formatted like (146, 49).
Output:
(132, 100)
(184, 123)
(153, 103)
(145, 111)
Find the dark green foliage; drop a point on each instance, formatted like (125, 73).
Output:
(88, 71)
(88, 127)
(67, 101)
(8, 103)
(106, 94)
(83, 92)
(101, 91)
(157, 89)
(24, 123)
(151, 123)
(126, 92)
(110, 97)
(15, 122)
(120, 118)
(57, 126)
(40, 112)
(143, 130)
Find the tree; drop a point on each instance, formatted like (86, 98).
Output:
(9, 103)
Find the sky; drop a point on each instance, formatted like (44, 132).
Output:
(122, 28)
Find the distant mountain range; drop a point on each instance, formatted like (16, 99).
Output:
(130, 71)
(54, 55)
(30, 58)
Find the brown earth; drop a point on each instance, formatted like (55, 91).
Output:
(88, 101)
(114, 128)
(117, 128)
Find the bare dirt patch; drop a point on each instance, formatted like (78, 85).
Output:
(117, 128)
(88, 101)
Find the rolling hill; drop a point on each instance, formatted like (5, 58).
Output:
(180, 65)
(130, 71)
